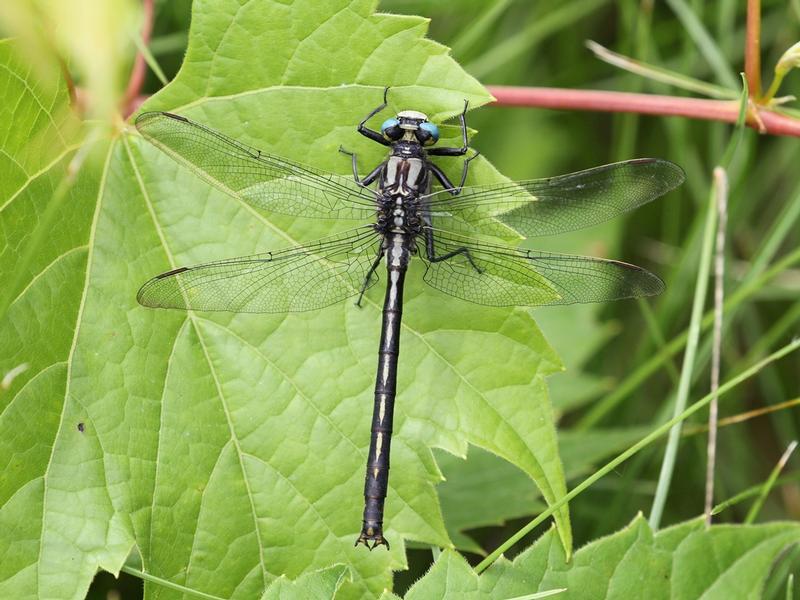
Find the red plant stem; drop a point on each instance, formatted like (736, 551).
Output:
(752, 48)
(139, 66)
(647, 104)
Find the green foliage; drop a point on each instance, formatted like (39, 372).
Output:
(685, 561)
(316, 584)
(39, 138)
(486, 490)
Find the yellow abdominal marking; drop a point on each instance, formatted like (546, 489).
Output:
(378, 446)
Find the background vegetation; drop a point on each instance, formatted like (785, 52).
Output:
(616, 388)
(543, 44)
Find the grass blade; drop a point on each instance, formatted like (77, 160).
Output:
(661, 74)
(752, 491)
(519, 43)
(704, 42)
(768, 484)
(471, 36)
(644, 442)
(150, 59)
(701, 287)
(721, 186)
(750, 287)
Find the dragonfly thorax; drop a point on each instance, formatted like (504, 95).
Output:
(404, 176)
(399, 213)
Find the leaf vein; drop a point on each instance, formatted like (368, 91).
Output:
(78, 319)
(192, 317)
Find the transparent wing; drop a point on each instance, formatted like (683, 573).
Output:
(302, 278)
(262, 180)
(504, 276)
(556, 204)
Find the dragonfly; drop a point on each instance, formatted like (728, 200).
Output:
(457, 231)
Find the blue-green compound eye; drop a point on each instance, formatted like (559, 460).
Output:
(433, 130)
(388, 124)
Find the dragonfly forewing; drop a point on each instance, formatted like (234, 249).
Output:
(297, 279)
(556, 204)
(267, 182)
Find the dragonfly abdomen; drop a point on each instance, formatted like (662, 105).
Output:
(376, 480)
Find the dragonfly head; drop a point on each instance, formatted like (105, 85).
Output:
(411, 126)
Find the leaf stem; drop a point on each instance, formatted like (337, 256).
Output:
(167, 584)
(644, 442)
(139, 70)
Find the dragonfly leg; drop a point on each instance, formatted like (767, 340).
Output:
(367, 279)
(448, 186)
(354, 160)
(462, 150)
(464, 171)
(370, 178)
(375, 136)
(430, 251)
(463, 250)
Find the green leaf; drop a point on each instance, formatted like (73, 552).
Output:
(316, 584)
(230, 449)
(38, 140)
(485, 490)
(39, 129)
(684, 561)
(582, 335)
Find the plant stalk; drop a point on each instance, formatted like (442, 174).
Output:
(752, 48)
(721, 187)
(727, 111)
